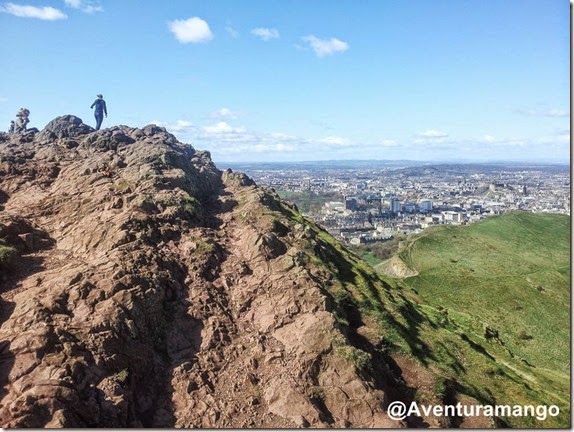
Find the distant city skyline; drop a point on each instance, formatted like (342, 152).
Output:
(273, 81)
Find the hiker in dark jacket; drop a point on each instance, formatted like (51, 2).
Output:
(100, 110)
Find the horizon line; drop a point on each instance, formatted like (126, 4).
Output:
(429, 162)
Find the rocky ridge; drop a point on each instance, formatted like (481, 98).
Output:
(154, 290)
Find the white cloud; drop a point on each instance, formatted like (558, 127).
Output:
(432, 138)
(192, 30)
(180, 125)
(224, 139)
(325, 47)
(223, 128)
(283, 136)
(431, 133)
(225, 114)
(265, 34)
(23, 11)
(258, 148)
(389, 143)
(493, 142)
(431, 142)
(488, 138)
(511, 142)
(86, 6)
(3, 99)
(335, 141)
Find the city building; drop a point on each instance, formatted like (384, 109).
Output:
(426, 205)
(350, 203)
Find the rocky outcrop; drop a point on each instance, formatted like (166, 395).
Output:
(396, 268)
(154, 290)
(67, 126)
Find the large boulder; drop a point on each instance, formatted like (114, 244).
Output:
(65, 126)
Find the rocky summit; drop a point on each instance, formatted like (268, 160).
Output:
(147, 288)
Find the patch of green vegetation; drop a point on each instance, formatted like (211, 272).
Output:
(316, 393)
(7, 255)
(375, 253)
(370, 259)
(190, 205)
(206, 248)
(123, 186)
(359, 358)
(123, 376)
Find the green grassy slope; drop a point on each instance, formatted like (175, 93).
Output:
(512, 272)
(509, 274)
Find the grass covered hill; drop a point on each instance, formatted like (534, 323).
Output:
(511, 271)
(503, 286)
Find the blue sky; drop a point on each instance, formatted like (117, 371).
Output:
(296, 80)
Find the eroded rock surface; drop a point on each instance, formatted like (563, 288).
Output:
(154, 290)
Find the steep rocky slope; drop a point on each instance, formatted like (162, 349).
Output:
(152, 289)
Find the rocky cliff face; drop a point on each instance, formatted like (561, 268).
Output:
(153, 290)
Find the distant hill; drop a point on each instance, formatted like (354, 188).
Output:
(509, 274)
(406, 167)
(513, 271)
(474, 168)
(318, 165)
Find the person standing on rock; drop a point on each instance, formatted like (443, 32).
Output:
(21, 120)
(100, 110)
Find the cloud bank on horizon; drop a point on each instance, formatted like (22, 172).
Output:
(366, 81)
